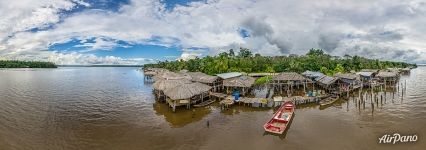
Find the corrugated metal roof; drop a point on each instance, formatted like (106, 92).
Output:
(369, 70)
(365, 73)
(312, 74)
(327, 80)
(349, 76)
(229, 75)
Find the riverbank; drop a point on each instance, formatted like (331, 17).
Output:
(25, 64)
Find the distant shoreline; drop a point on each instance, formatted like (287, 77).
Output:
(99, 65)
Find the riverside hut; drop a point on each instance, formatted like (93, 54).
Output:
(289, 79)
(160, 86)
(240, 83)
(366, 77)
(213, 81)
(348, 81)
(388, 76)
(186, 94)
(328, 83)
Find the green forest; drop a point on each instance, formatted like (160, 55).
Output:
(25, 64)
(246, 61)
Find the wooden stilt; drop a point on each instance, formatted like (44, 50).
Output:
(174, 105)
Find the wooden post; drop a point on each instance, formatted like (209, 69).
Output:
(304, 86)
(405, 86)
(174, 105)
(385, 84)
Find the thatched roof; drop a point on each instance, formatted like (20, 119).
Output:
(289, 76)
(386, 74)
(165, 84)
(186, 90)
(168, 75)
(241, 81)
(202, 77)
(326, 80)
(348, 76)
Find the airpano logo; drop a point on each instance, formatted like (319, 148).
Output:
(397, 138)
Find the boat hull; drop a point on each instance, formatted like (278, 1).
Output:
(329, 100)
(281, 119)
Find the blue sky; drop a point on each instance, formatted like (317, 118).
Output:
(126, 50)
(147, 31)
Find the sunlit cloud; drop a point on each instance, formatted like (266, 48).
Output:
(391, 29)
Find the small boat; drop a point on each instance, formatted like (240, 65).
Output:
(281, 119)
(329, 100)
(205, 103)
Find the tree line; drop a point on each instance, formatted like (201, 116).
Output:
(245, 61)
(25, 64)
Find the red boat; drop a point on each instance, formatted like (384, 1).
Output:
(281, 119)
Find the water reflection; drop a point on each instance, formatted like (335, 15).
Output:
(184, 117)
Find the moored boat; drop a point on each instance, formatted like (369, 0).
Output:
(281, 119)
(329, 100)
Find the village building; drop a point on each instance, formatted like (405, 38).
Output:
(186, 94)
(348, 82)
(241, 84)
(387, 77)
(288, 80)
(214, 81)
(328, 83)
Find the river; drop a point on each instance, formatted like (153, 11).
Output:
(112, 108)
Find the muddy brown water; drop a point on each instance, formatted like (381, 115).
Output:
(112, 108)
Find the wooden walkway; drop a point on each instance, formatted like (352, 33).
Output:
(205, 103)
(218, 95)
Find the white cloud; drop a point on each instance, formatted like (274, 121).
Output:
(188, 54)
(276, 27)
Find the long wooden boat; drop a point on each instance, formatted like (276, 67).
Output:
(281, 119)
(329, 100)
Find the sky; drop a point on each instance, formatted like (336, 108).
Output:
(84, 32)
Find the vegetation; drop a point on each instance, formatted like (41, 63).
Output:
(25, 64)
(245, 61)
(263, 80)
